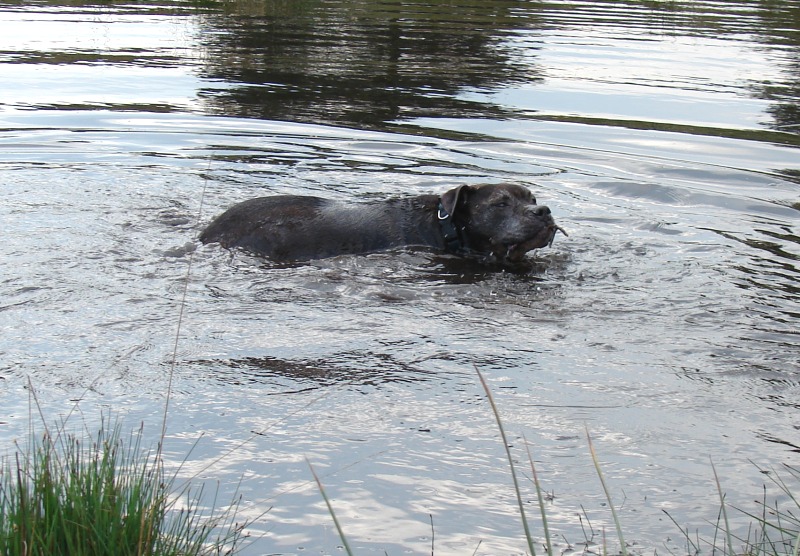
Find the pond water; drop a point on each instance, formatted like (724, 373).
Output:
(663, 135)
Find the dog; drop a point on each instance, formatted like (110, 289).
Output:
(493, 222)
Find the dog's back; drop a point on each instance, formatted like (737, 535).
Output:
(291, 227)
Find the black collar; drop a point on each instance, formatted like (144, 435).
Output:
(454, 241)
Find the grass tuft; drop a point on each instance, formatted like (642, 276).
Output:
(68, 494)
(774, 531)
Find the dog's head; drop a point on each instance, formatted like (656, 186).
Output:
(502, 220)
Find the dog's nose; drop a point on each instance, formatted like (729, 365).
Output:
(540, 210)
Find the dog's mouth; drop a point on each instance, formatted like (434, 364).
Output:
(514, 252)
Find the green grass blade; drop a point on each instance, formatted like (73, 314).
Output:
(728, 534)
(540, 497)
(433, 536)
(691, 546)
(330, 510)
(517, 489)
(622, 545)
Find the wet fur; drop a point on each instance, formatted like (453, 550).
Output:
(499, 221)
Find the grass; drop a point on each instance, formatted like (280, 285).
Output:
(330, 509)
(73, 494)
(517, 490)
(622, 546)
(774, 532)
(82, 495)
(76, 495)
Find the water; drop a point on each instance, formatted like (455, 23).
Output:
(663, 137)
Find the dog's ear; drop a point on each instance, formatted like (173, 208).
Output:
(451, 198)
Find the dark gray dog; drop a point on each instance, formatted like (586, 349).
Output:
(497, 222)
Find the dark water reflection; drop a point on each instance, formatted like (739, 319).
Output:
(375, 62)
(664, 136)
(353, 369)
(369, 63)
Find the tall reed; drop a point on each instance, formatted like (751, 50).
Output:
(517, 490)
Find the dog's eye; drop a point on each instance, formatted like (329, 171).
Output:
(501, 203)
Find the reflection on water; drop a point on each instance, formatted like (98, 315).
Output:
(352, 369)
(375, 62)
(369, 63)
(662, 134)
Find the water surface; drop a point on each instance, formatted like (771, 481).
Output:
(662, 135)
